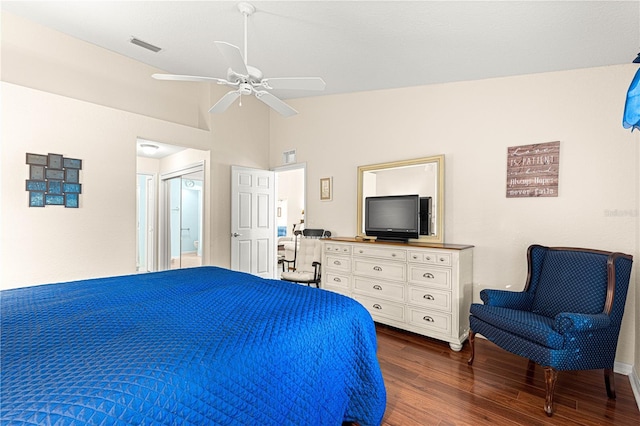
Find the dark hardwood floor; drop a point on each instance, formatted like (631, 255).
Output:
(429, 384)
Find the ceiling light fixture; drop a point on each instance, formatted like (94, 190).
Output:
(148, 148)
(144, 44)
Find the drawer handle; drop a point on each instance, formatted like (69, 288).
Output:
(428, 275)
(337, 262)
(414, 257)
(428, 318)
(428, 257)
(393, 255)
(336, 279)
(376, 306)
(377, 268)
(360, 251)
(377, 287)
(442, 259)
(428, 297)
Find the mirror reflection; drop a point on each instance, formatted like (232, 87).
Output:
(422, 176)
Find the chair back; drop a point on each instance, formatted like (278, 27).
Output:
(309, 251)
(576, 280)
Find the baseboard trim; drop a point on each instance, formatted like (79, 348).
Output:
(622, 368)
(634, 379)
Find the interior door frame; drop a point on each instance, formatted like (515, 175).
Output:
(164, 234)
(150, 221)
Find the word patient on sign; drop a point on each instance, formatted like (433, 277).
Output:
(532, 170)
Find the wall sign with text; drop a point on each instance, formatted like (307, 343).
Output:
(532, 170)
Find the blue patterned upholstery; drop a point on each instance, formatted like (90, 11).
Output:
(567, 317)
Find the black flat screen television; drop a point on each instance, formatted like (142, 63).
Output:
(392, 217)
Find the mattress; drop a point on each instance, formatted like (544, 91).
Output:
(194, 346)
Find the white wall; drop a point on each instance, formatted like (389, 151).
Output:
(59, 103)
(98, 239)
(472, 124)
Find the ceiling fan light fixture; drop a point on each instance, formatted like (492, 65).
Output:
(144, 44)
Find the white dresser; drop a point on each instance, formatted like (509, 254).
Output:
(419, 287)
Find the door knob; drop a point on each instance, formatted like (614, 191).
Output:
(235, 234)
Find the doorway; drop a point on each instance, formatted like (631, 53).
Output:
(290, 207)
(182, 218)
(291, 198)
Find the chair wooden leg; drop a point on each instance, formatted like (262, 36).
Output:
(610, 383)
(472, 338)
(550, 376)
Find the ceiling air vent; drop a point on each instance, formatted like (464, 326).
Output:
(144, 44)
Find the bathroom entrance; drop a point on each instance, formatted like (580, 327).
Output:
(182, 193)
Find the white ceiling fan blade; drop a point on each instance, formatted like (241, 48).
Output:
(225, 102)
(275, 103)
(295, 83)
(233, 56)
(175, 77)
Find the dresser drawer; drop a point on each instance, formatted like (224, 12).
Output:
(382, 308)
(380, 269)
(433, 277)
(430, 320)
(332, 279)
(430, 257)
(379, 288)
(383, 253)
(337, 248)
(430, 298)
(338, 263)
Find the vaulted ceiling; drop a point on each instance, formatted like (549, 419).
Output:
(357, 45)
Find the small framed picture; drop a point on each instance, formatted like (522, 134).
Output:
(72, 163)
(54, 199)
(326, 189)
(71, 201)
(37, 159)
(54, 187)
(55, 161)
(71, 175)
(36, 172)
(54, 174)
(37, 185)
(36, 199)
(71, 188)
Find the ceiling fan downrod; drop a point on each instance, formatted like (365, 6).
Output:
(247, 10)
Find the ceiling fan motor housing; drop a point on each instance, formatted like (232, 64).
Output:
(255, 76)
(245, 89)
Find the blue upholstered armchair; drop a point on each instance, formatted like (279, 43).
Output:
(567, 317)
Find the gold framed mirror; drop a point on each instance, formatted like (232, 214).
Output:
(422, 176)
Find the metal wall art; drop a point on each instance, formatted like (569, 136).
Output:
(54, 180)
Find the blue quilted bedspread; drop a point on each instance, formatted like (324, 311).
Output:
(200, 346)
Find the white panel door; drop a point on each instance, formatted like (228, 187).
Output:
(252, 221)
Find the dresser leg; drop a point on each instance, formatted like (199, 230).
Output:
(456, 347)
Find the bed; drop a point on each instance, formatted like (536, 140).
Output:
(194, 346)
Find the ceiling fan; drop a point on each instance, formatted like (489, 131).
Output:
(248, 80)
